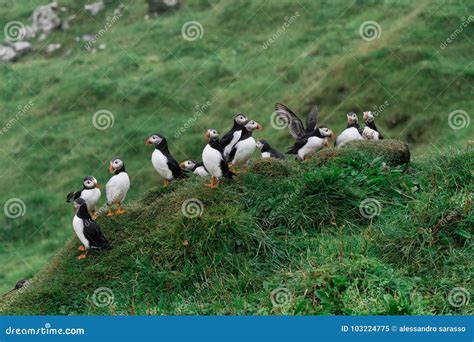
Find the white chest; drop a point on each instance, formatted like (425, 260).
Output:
(160, 163)
(91, 196)
(117, 188)
(212, 161)
(266, 155)
(370, 134)
(201, 171)
(313, 145)
(244, 150)
(349, 134)
(78, 224)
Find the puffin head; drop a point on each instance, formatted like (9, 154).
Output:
(261, 143)
(352, 118)
(253, 125)
(241, 119)
(211, 134)
(154, 139)
(115, 165)
(90, 182)
(368, 116)
(78, 203)
(187, 165)
(326, 132)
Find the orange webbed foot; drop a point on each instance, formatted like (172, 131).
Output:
(82, 248)
(82, 256)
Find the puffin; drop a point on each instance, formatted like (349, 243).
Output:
(90, 192)
(268, 151)
(308, 140)
(370, 123)
(87, 230)
(352, 131)
(164, 163)
(195, 167)
(244, 148)
(233, 136)
(117, 187)
(214, 160)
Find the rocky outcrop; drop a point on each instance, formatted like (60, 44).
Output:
(44, 20)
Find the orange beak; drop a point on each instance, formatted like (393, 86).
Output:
(148, 142)
(207, 136)
(181, 166)
(259, 127)
(97, 185)
(333, 136)
(111, 169)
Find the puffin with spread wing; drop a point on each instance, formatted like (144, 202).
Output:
(309, 140)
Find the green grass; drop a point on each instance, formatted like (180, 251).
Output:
(151, 79)
(284, 224)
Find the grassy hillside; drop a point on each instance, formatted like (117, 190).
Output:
(343, 235)
(152, 79)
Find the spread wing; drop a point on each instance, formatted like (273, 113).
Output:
(312, 119)
(94, 234)
(290, 119)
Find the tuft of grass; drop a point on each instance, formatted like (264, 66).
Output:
(282, 226)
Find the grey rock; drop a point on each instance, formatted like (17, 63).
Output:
(95, 7)
(45, 18)
(21, 47)
(52, 47)
(7, 53)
